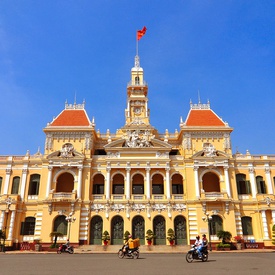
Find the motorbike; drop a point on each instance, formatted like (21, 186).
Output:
(63, 249)
(192, 254)
(130, 253)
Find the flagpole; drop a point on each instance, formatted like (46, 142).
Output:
(137, 44)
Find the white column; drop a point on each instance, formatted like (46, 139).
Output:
(11, 226)
(2, 217)
(24, 181)
(108, 183)
(7, 180)
(128, 184)
(79, 186)
(49, 181)
(196, 176)
(148, 189)
(168, 188)
(268, 180)
(265, 226)
(253, 182)
(227, 183)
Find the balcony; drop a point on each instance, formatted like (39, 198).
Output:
(62, 196)
(214, 196)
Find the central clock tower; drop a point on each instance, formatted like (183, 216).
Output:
(137, 112)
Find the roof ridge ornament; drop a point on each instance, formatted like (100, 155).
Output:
(200, 106)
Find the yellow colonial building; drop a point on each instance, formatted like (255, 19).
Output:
(136, 179)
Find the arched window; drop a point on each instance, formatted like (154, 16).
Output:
(28, 226)
(137, 80)
(65, 183)
(15, 186)
(247, 225)
(34, 184)
(211, 182)
(61, 225)
(243, 185)
(157, 184)
(98, 184)
(138, 184)
(261, 187)
(118, 184)
(177, 184)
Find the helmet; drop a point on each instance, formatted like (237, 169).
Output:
(204, 235)
(129, 236)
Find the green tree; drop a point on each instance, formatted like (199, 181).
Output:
(55, 235)
(225, 236)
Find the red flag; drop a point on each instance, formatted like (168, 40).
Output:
(140, 33)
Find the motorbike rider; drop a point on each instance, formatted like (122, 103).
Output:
(202, 245)
(198, 244)
(126, 244)
(66, 245)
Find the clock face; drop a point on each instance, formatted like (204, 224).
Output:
(137, 110)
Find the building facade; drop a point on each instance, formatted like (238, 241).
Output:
(136, 179)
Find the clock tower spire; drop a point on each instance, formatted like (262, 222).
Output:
(137, 112)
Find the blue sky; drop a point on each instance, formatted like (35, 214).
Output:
(52, 51)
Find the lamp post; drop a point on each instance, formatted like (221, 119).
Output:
(8, 204)
(70, 219)
(208, 219)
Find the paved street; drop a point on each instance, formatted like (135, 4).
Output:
(147, 264)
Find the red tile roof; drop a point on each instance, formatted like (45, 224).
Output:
(203, 118)
(72, 118)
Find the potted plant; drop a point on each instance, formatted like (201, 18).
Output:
(55, 235)
(223, 246)
(37, 244)
(273, 234)
(105, 237)
(149, 236)
(239, 241)
(171, 236)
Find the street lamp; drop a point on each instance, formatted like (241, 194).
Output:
(8, 204)
(208, 219)
(70, 219)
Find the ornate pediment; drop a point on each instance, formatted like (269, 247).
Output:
(66, 152)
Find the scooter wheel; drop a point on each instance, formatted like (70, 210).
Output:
(204, 257)
(135, 255)
(189, 257)
(71, 251)
(120, 254)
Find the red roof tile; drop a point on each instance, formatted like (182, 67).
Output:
(71, 118)
(203, 118)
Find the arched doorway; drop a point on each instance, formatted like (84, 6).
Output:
(180, 230)
(138, 229)
(211, 182)
(61, 224)
(96, 230)
(65, 183)
(216, 225)
(159, 230)
(117, 230)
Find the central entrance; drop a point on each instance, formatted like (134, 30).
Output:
(159, 230)
(117, 230)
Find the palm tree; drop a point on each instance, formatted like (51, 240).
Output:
(55, 234)
(224, 235)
